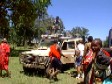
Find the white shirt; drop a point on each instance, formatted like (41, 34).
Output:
(81, 48)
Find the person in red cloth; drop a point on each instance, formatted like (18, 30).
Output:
(100, 61)
(4, 57)
(55, 55)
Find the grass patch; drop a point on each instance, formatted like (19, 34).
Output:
(15, 51)
(18, 77)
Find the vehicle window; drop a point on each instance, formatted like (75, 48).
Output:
(64, 47)
(71, 45)
(46, 43)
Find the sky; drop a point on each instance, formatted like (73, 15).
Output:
(95, 15)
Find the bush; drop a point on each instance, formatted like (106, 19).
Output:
(16, 52)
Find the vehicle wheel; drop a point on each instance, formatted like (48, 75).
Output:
(29, 71)
(49, 71)
(26, 70)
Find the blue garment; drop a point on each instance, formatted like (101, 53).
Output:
(107, 81)
(78, 60)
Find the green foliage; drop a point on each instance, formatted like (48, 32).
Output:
(22, 15)
(14, 53)
(45, 25)
(106, 43)
(79, 31)
(17, 50)
(4, 24)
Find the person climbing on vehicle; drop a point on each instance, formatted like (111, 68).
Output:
(56, 24)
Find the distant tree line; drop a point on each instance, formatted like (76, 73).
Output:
(23, 20)
(17, 18)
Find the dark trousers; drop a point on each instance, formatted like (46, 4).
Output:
(86, 74)
(56, 63)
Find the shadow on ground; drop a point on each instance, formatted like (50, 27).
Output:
(33, 72)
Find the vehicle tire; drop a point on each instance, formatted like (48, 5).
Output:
(25, 69)
(49, 71)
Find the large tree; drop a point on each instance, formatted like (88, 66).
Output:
(79, 31)
(4, 19)
(23, 15)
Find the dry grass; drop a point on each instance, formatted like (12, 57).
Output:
(18, 77)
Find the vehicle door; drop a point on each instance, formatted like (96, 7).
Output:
(68, 50)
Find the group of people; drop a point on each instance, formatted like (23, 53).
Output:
(92, 61)
(81, 50)
(4, 57)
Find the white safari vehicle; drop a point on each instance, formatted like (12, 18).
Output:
(68, 49)
(39, 58)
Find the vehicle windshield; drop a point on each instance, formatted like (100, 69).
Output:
(71, 45)
(45, 43)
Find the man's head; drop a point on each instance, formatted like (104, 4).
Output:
(4, 40)
(90, 39)
(55, 42)
(57, 17)
(81, 41)
(96, 45)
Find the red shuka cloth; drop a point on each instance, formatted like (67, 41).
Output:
(54, 52)
(4, 56)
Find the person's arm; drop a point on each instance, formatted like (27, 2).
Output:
(63, 55)
(8, 49)
(59, 49)
(85, 49)
(85, 52)
(103, 58)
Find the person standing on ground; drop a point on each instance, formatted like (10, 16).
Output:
(100, 61)
(87, 47)
(4, 57)
(55, 55)
(80, 47)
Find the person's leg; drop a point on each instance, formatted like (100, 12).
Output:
(57, 66)
(0, 73)
(87, 73)
(82, 71)
(78, 71)
(86, 76)
(79, 60)
(8, 74)
(81, 68)
(53, 66)
(82, 74)
(111, 68)
(77, 67)
(56, 73)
